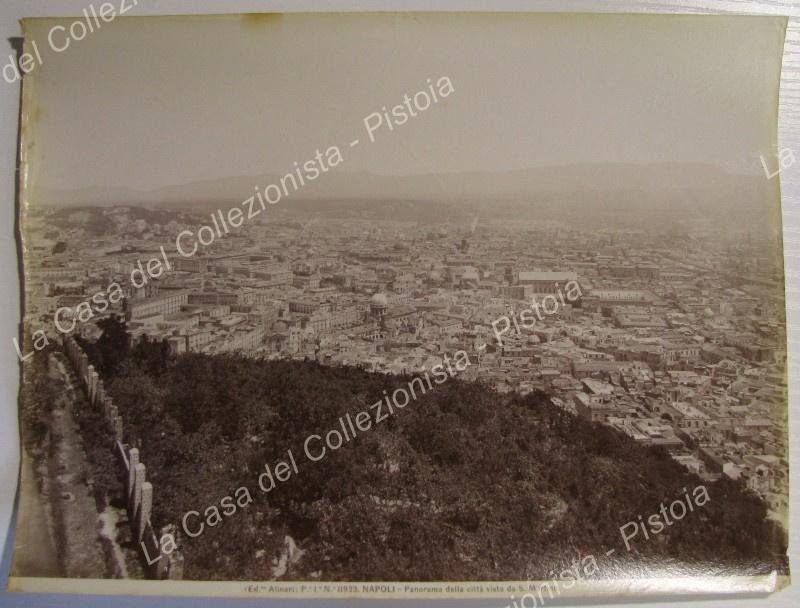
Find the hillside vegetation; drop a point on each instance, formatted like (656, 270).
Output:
(462, 484)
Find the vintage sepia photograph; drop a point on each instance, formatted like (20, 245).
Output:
(388, 305)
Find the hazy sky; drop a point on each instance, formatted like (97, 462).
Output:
(149, 102)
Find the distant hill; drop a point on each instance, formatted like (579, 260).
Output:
(109, 221)
(575, 182)
(646, 196)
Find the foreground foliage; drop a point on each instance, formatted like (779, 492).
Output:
(462, 484)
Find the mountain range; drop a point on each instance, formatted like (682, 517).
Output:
(635, 186)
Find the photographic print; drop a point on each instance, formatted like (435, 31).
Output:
(401, 305)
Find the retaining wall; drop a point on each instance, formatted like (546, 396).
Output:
(140, 495)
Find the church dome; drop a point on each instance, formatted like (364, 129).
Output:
(379, 300)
